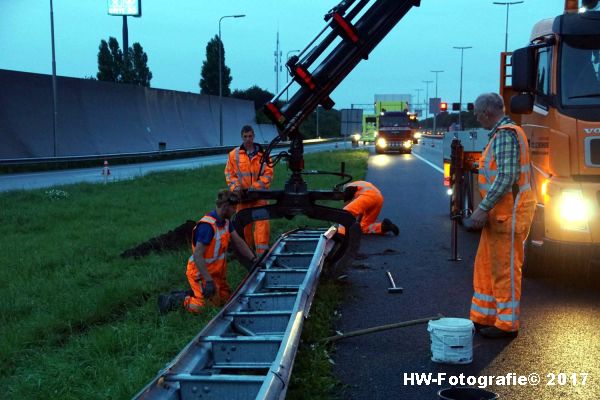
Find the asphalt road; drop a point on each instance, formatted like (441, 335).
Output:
(36, 180)
(560, 330)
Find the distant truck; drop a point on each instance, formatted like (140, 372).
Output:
(396, 127)
(369, 128)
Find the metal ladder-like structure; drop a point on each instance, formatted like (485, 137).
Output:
(247, 350)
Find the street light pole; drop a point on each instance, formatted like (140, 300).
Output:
(220, 78)
(427, 99)
(418, 97)
(436, 72)
(54, 110)
(287, 58)
(507, 4)
(462, 50)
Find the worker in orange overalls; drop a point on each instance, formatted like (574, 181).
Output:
(207, 267)
(245, 172)
(505, 214)
(364, 201)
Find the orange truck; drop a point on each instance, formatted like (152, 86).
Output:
(551, 88)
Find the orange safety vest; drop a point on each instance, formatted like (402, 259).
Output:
(488, 168)
(243, 172)
(215, 252)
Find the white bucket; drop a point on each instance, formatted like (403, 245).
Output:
(451, 340)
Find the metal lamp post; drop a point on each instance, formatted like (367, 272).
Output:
(418, 98)
(427, 99)
(436, 72)
(507, 4)
(287, 58)
(220, 78)
(462, 50)
(54, 109)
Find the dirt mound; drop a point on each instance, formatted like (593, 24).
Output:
(172, 240)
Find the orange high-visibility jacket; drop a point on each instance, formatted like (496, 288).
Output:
(367, 204)
(243, 172)
(215, 261)
(497, 272)
(363, 187)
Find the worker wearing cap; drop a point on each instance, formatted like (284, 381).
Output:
(207, 267)
(364, 201)
(244, 171)
(505, 214)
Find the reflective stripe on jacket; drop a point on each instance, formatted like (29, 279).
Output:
(243, 172)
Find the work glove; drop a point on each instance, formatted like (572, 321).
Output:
(209, 289)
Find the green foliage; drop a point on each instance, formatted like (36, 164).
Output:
(256, 94)
(209, 83)
(141, 73)
(260, 97)
(77, 320)
(113, 66)
(329, 124)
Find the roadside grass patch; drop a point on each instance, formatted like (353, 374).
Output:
(79, 321)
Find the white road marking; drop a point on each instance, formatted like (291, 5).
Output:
(428, 162)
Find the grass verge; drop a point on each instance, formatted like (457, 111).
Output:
(78, 321)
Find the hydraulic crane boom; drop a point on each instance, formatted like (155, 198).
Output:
(374, 20)
(354, 28)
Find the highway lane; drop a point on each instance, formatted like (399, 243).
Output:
(560, 326)
(36, 180)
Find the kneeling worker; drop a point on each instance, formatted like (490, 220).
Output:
(208, 265)
(364, 201)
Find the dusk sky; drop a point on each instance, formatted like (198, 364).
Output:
(175, 33)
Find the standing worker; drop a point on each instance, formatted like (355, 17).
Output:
(245, 172)
(505, 214)
(364, 201)
(207, 267)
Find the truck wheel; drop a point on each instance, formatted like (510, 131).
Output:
(378, 150)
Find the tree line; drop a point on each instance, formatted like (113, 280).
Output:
(131, 67)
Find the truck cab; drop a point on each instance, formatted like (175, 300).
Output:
(554, 94)
(396, 131)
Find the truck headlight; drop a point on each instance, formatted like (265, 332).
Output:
(407, 144)
(418, 135)
(356, 137)
(381, 142)
(574, 210)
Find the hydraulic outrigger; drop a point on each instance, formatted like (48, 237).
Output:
(353, 29)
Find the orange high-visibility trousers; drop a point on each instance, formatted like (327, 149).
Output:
(368, 206)
(262, 229)
(498, 264)
(195, 304)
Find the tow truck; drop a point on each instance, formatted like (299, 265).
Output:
(551, 88)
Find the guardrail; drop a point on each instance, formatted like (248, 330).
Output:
(435, 137)
(50, 163)
(247, 350)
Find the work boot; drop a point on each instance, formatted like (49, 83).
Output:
(491, 332)
(170, 302)
(389, 226)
